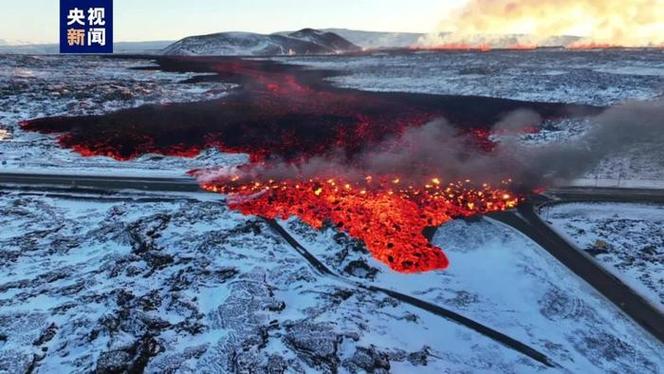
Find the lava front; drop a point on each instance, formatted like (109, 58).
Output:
(389, 216)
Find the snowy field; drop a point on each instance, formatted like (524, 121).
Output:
(501, 278)
(44, 86)
(634, 234)
(185, 285)
(585, 77)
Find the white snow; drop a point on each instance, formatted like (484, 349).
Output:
(502, 279)
(598, 78)
(228, 287)
(634, 233)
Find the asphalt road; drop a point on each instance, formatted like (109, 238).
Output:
(526, 220)
(608, 194)
(96, 183)
(448, 314)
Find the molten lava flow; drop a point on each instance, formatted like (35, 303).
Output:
(277, 111)
(288, 114)
(387, 215)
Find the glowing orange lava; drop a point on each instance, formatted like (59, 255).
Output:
(458, 47)
(387, 215)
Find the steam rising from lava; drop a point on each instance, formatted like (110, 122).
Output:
(415, 156)
(633, 23)
(618, 128)
(439, 150)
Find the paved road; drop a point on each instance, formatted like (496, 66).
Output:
(612, 194)
(526, 220)
(187, 184)
(92, 182)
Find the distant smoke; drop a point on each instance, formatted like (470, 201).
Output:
(615, 130)
(632, 23)
(437, 149)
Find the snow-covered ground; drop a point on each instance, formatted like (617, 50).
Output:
(502, 279)
(185, 285)
(639, 165)
(633, 233)
(43, 86)
(182, 284)
(643, 161)
(587, 77)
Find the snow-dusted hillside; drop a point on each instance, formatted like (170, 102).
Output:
(302, 42)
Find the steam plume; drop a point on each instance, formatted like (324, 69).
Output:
(613, 131)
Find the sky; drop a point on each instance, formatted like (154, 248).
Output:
(36, 21)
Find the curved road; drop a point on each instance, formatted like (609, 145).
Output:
(526, 220)
(490, 333)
